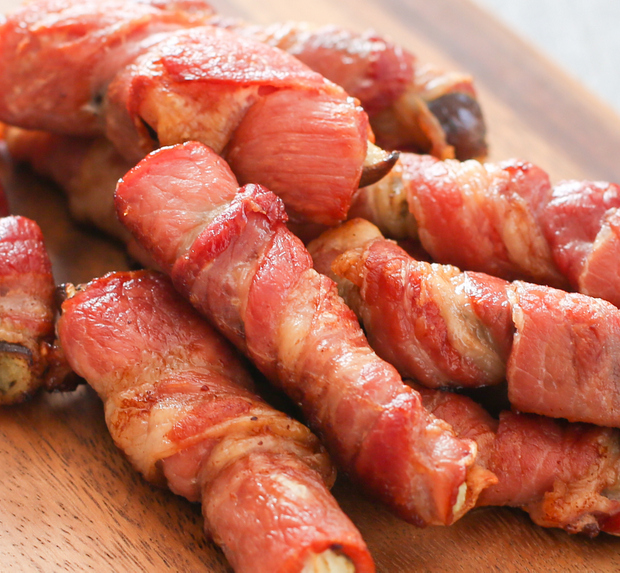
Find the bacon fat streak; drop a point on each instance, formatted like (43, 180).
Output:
(26, 308)
(147, 74)
(505, 219)
(411, 105)
(179, 403)
(229, 251)
(564, 475)
(558, 351)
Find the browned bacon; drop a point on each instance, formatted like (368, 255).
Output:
(127, 70)
(558, 351)
(229, 251)
(26, 308)
(179, 403)
(505, 219)
(564, 475)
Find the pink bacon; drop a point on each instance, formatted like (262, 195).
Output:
(179, 403)
(131, 71)
(26, 308)
(411, 105)
(230, 253)
(558, 351)
(504, 219)
(564, 475)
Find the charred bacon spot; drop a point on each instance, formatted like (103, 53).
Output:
(590, 530)
(17, 350)
(377, 165)
(461, 118)
(97, 102)
(151, 133)
(62, 293)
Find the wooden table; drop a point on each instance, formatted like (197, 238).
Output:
(70, 502)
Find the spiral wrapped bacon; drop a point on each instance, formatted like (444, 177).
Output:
(564, 475)
(558, 351)
(504, 219)
(26, 308)
(179, 403)
(229, 251)
(144, 74)
(411, 105)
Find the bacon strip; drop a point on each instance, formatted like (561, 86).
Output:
(558, 351)
(564, 475)
(230, 253)
(131, 71)
(74, 49)
(411, 105)
(505, 219)
(179, 403)
(580, 221)
(472, 215)
(26, 308)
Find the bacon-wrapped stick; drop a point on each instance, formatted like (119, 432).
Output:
(434, 323)
(229, 251)
(559, 352)
(26, 308)
(179, 403)
(411, 105)
(564, 475)
(128, 76)
(473, 215)
(505, 219)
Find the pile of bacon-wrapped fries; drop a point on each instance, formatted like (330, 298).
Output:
(228, 157)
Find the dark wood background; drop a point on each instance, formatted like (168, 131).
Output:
(68, 499)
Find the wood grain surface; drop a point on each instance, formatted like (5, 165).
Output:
(70, 501)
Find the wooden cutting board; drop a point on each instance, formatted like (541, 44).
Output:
(68, 499)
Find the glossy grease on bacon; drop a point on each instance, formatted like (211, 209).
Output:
(229, 251)
(559, 351)
(564, 475)
(180, 404)
(149, 75)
